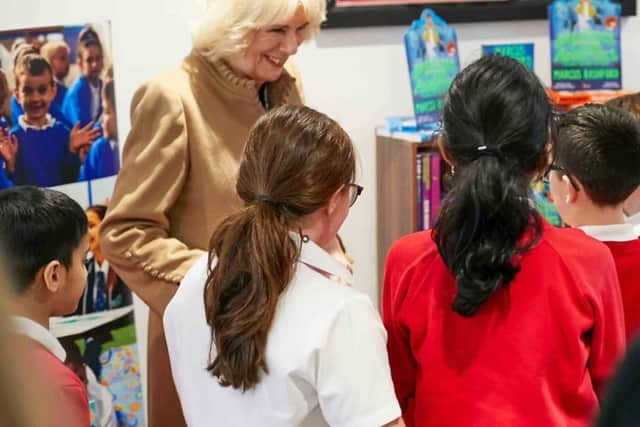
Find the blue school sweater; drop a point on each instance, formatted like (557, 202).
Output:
(60, 94)
(43, 156)
(55, 110)
(101, 161)
(77, 102)
(4, 179)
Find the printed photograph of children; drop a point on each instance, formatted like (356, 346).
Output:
(58, 128)
(57, 106)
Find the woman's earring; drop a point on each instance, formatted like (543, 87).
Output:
(305, 238)
(453, 170)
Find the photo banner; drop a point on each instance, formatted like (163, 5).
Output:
(68, 141)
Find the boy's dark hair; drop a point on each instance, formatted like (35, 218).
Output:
(31, 64)
(37, 226)
(88, 37)
(600, 145)
(629, 103)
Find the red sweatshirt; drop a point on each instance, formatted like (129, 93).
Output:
(627, 258)
(536, 353)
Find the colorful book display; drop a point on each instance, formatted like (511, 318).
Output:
(428, 193)
(432, 55)
(585, 45)
(523, 52)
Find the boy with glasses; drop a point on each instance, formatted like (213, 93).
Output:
(595, 169)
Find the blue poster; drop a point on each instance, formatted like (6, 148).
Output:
(432, 55)
(585, 45)
(523, 52)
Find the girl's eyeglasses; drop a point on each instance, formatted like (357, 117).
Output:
(563, 171)
(355, 191)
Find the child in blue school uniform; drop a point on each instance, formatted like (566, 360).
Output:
(55, 108)
(8, 144)
(103, 158)
(46, 149)
(57, 54)
(82, 103)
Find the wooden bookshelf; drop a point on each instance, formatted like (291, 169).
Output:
(396, 188)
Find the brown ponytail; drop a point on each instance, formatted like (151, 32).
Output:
(294, 161)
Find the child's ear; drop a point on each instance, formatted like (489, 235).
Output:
(571, 194)
(54, 275)
(445, 155)
(335, 199)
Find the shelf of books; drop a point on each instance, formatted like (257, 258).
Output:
(409, 177)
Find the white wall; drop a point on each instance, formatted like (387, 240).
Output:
(357, 76)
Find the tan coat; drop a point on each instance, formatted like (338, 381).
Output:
(177, 182)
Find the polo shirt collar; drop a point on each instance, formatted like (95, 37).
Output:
(50, 121)
(27, 327)
(611, 233)
(633, 219)
(314, 256)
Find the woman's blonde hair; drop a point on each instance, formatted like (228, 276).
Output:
(227, 25)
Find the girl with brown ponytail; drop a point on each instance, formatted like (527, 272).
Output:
(266, 330)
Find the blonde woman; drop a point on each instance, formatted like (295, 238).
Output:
(182, 155)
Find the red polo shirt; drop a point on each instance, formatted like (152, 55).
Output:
(536, 353)
(59, 391)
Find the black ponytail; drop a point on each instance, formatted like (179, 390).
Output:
(496, 128)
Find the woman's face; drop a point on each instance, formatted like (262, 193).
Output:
(269, 48)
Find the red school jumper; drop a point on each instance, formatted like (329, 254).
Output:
(536, 353)
(627, 258)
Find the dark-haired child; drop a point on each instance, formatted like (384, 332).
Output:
(46, 154)
(495, 317)
(596, 167)
(631, 104)
(103, 158)
(105, 290)
(82, 103)
(8, 144)
(43, 236)
(55, 109)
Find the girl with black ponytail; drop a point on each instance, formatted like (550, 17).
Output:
(494, 317)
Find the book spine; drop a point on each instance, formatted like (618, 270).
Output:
(426, 191)
(436, 187)
(418, 213)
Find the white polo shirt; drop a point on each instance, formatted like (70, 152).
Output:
(326, 354)
(635, 221)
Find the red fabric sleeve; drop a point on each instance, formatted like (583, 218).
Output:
(608, 335)
(74, 406)
(401, 360)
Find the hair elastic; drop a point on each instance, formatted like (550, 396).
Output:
(263, 198)
(483, 150)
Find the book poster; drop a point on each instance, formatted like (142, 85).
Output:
(58, 129)
(585, 45)
(522, 52)
(432, 56)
